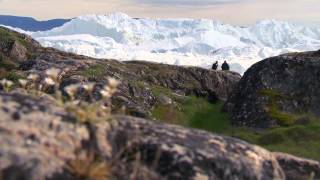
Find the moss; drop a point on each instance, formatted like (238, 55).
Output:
(94, 72)
(283, 118)
(273, 94)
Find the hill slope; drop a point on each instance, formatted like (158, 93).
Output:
(142, 82)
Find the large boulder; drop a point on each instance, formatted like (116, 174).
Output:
(277, 91)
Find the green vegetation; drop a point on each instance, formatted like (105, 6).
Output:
(283, 118)
(194, 112)
(12, 76)
(9, 37)
(191, 111)
(158, 90)
(6, 63)
(301, 139)
(94, 72)
(6, 37)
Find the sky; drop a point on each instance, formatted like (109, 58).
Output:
(239, 12)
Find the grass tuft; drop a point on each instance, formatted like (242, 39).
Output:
(94, 72)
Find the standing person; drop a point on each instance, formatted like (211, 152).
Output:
(225, 66)
(215, 66)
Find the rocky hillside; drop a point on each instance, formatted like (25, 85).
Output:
(142, 82)
(278, 91)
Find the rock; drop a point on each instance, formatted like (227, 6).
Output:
(164, 100)
(19, 52)
(35, 140)
(297, 168)
(276, 91)
(180, 153)
(38, 140)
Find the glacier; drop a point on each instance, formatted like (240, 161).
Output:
(186, 42)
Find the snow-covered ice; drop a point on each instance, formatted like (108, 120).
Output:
(194, 42)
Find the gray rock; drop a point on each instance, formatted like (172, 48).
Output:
(19, 52)
(35, 141)
(179, 153)
(288, 83)
(164, 100)
(298, 168)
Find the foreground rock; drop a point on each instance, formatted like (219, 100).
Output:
(39, 139)
(277, 91)
(37, 142)
(141, 81)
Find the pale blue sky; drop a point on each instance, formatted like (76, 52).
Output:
(241, 12)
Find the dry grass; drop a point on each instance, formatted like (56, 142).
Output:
(87, 167)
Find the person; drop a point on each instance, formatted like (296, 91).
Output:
(225, 66)
(215, 66)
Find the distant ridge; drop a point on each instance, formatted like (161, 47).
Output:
(31, 24)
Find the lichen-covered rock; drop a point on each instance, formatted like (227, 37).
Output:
(277, 91)
(35, 141)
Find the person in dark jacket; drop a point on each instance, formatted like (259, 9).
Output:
(215, 65)
(225, 66)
